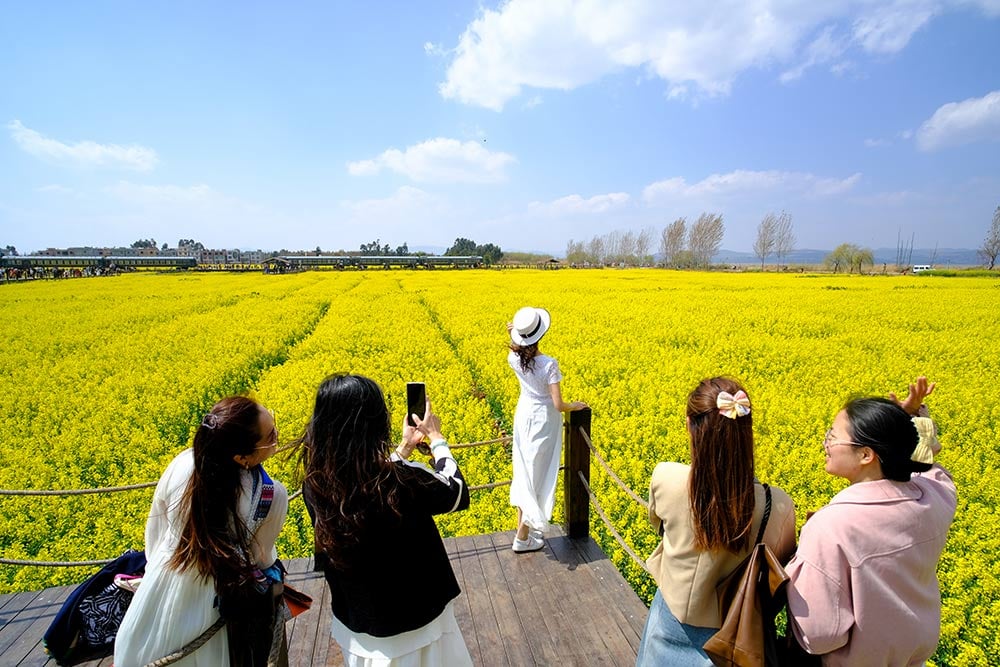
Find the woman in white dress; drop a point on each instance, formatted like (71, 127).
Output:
(392, 589)
(537, 428)
(213, 523)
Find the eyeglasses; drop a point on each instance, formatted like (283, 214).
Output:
(272, 437)
(828, 442)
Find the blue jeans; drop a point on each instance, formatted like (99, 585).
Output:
(667, 641)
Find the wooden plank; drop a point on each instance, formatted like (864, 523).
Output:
(491, 645)
(550, 597)
(512, 633)
(304, 631)
(326, 651)
(463, 611)
(582, 593)
(27, 647)
(632, 612)
(527, 585)
(12, 626)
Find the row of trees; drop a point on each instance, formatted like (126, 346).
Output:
(462, 247)
(680, 245)
(614, 248)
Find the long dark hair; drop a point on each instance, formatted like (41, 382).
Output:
(525, 355)
(885, 427)
(214, 539)
(722, 473)
(346, 458)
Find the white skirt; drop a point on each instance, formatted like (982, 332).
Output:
(437, 644)
(536, 454)
(170, 609)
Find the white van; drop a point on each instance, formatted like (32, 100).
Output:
(917, 268)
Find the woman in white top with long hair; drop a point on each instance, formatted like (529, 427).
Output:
(211, 528)
(537, 427)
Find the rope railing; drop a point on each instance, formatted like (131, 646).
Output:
(131, 487)
(607, 522)
(147, 485)
(611, 473)
(76, 492)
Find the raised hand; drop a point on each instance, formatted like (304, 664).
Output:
(918, 391)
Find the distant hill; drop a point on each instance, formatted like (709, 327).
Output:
(942, 257)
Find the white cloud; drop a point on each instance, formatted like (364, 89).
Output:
(83, 153)
(825, 48)
(575, 204)
(440, 160)
(161, 194)
(404, 202)
(876, 143)
(698, 49)
(888, 29)
(743, 181)
(973, 120)
(55, 188)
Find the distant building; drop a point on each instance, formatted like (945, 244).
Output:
(253, 256)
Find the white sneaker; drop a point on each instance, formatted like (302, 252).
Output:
(531, 543)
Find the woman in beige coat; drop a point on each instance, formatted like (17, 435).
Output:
(708, 514)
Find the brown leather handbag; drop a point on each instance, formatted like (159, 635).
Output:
(752, 595)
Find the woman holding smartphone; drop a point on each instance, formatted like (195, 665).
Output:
(537, 427)
(373, 518)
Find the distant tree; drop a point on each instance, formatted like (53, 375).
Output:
(164, 246)
(672, 241)
(192, 244)
(904, 252)
(489, 252)
(375, 248)
(627, 248)
(784, 238)
(861, 257)
(705, 238)
(990, 249)
(841, 258)
(9, 250)
(767, 233)
(402, 250)
(144, 243)
(318, 251)
(576, 252)
(595, 250)
(643, 244)
(849, 256)
(462, 247)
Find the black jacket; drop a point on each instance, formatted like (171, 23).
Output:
(372, 594)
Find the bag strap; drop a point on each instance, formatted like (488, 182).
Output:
(767, 513)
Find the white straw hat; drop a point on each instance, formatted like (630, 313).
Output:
(530, 324)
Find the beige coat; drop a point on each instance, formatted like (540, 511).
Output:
(687, 576)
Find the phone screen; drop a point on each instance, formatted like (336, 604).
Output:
(416, 401)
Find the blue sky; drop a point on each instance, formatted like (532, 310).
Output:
(525, 124)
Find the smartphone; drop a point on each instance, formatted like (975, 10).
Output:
(416, 401)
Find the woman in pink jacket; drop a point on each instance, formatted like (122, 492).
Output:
(864, 589)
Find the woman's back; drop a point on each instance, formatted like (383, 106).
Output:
(535, 381)
(686, 575)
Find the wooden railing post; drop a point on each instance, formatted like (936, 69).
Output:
(577, 460)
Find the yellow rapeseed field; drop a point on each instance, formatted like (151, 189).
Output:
(103, 380)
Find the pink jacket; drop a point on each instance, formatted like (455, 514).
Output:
(864, 587)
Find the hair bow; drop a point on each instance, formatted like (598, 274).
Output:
(733, 406)
(210, 421)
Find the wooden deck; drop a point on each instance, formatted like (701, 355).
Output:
(564, 605)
